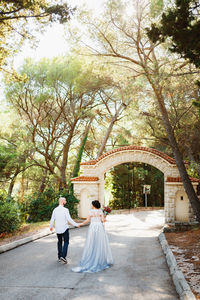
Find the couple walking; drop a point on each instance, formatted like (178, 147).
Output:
(97, 254)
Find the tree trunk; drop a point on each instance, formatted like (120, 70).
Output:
(195, 164)
(22, 188)
(76, 168)
(63, 182)
(11, 185)
(108, 132)
(43, 183)
(177, 154)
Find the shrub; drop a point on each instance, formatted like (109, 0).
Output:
(3, 196)
(23, 211)
(10, 217)
(40, 208)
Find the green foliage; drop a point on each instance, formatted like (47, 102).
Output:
(10, 214)
(56, 102)
(79, 157)
(196, 102)
(15, 149)
(40, 208)
(23, 9)
(3, 196)
(197, 105)
(8, 157)
(127, 185)
(78, 162)
(181, 23)
(156, 7)
(120, 138)
(15, 24)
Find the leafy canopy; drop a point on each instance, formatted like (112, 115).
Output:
(16, 24)
(180, 23)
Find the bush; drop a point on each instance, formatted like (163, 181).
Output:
(40, 208)
(23, 211)
(10, 216)
(3, 196)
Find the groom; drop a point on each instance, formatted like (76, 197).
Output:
(60, 217)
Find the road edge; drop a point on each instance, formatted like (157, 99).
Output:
(20, 242)
(182, 287)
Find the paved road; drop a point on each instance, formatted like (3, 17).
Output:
(140, 271)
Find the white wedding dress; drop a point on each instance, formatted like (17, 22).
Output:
(97, 254)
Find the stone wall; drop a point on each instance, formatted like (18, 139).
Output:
(171, 189)
(86, 192)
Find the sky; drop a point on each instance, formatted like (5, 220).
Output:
(53, 42)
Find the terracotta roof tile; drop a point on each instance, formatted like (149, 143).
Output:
(150, 150)
(85, 178)
(178, 179)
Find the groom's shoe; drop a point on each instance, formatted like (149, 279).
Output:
(59, 259)
(64, 260)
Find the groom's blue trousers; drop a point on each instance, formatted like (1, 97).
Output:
(62, 250)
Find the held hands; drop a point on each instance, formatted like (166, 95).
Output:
(51, 229)
(80, 224)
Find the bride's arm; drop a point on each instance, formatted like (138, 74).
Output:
(86, 221)
(103, 218)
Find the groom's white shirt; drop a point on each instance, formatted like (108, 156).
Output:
(60, 217)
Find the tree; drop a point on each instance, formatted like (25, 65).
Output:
(56, 102)
(83, 141)
(21, 9)
(183, 117)
(181, 24)
(124, 41)
(127, 185)
(76, 168)
(115, 109)
(196, 100)
(15, 21)
(15, 151)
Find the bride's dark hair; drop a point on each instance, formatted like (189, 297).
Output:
(96, 204)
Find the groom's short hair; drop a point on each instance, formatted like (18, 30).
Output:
(61, 199)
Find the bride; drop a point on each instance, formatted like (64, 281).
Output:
(97, 254)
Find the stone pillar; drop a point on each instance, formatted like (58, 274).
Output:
(86, 192)
(101, 190)
(171, 190)
(169, 203)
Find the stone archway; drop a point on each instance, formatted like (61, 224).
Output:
(92, 175)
